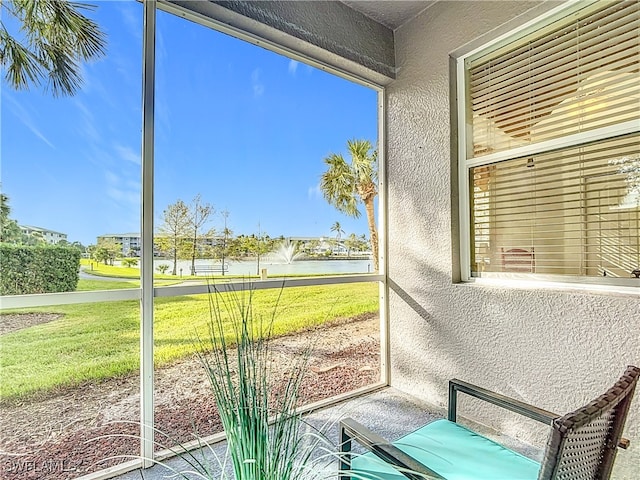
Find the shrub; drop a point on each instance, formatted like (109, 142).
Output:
(38, 269)
(162, 268)
(129, 262)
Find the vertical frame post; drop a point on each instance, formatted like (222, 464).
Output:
(146, 270)
(383, 241)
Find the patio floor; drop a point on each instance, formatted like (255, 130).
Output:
(388, 412)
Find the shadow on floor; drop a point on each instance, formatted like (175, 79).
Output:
(388, 412)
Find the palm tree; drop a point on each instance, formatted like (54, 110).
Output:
(9, 229)
(336, 227)
(351, 243)
(226, 235)
(345, 185)
(57, 37)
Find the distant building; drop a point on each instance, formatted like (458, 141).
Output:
(49, 236)
(132, 242)
(321, 245)
(129, 242)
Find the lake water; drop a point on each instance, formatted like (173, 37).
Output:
(275, 268)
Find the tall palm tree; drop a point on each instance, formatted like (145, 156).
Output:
(336, 227)
(56, 38)
(345, 185)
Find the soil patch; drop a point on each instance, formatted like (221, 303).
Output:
(10, 322)
(63, 436)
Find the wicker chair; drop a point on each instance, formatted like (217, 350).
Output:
(582, 445)
(518, 260)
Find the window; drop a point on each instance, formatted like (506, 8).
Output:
(549, 150)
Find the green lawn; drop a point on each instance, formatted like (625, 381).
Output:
(92, 285)
(101, 270)
(133, 273)
(98, 341)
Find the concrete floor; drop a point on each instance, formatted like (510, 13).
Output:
(388, 412)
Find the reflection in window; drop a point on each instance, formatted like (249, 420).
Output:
(571, 212)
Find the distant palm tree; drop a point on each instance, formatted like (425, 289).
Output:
(9, 229)
(336, 227)
(345, 185)
(5, 209)
(57, 37)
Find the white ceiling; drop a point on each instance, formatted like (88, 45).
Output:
(391, 13)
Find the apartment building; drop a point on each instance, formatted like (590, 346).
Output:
(50, 236)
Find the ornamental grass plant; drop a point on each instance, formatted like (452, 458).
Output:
(266, 435)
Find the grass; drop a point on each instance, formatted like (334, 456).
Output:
(93, 342)
(85, 285)
(117, 271)
(102, 270)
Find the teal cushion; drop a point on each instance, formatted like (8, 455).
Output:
(454, 452)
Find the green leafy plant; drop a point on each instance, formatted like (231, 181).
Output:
(129, 262)
(44, 268)
(54, 38)
(162, 268)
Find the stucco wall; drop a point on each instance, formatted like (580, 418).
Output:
(328, 32)
(521, 342)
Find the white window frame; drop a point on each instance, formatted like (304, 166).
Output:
(466, 161)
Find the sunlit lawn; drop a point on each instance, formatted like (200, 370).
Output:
(101, 270)
(98, 341)
(92, 285)
(118, 271)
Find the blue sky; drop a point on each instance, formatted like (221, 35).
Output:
(244, 127)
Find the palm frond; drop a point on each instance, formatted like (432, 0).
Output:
(363, 163)
(22, 66)
(338, 185)
(57, 37)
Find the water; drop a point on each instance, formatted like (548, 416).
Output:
(275, 266)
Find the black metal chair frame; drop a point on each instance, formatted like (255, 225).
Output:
(617, 397)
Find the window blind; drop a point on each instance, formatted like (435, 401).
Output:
(574, 211)
(577, 74)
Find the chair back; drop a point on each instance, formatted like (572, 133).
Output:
(582, 444)
(518, 260)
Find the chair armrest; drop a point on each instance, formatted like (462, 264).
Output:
(406, 464)
(503, 401)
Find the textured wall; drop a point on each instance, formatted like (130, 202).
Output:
(329, 32)
(521, 342)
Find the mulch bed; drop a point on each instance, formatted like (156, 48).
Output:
(75, 452)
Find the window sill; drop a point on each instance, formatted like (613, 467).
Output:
(563, 286)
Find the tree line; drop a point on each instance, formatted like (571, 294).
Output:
(185, 232)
